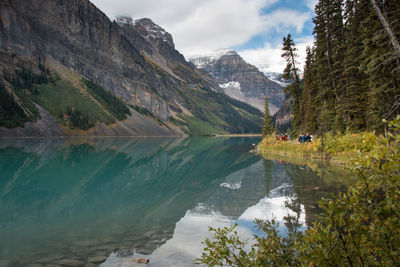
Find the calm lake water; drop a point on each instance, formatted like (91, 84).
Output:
(74, 202)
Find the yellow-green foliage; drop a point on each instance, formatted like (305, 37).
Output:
(346, 147)
(270, 144)
(336, 147)
(351, 142)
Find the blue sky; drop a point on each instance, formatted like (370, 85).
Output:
(252, 27)
(274, 35)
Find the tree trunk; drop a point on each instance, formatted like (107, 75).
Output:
(386, 25)
(294, 66)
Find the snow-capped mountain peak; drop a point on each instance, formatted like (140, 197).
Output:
(121, 20)
(200, 61)
(239, 79)
(147, 28)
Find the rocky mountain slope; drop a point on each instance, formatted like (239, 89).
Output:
(277, 77)
(282, 118)
(240, 80)
(158, 46)
(50, 46)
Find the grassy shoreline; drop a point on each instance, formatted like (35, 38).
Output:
(341, 149)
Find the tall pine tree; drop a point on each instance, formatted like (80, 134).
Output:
(353, 79)
(267, 128)
(329, 54)
(291, 72)
(352, 74)
(381, 64)
(308, 103)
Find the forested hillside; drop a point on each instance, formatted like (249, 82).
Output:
(351, 79)
(67, 69)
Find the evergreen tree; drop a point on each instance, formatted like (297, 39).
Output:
(267, 126)
(291, 72)
(352, 74)
(308, 104)
(329, 54)
(388, 28)
(325, 97)
(380, 64)
(11, 113)
(353, 79)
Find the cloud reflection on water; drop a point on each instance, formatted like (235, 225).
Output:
(193, 229)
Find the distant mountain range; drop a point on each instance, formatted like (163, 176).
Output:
(66, 69)
(240, 80)
(277, 77)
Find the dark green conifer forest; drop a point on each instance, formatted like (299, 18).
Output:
(351, 78)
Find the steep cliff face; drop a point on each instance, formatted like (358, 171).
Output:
(157, 45)
(80, 37)
(283, 116)
(129, 60)
(241, 80)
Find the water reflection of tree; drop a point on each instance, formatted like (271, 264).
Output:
(268, 164)
(312, 185)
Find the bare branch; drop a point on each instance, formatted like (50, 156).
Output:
(386, 25)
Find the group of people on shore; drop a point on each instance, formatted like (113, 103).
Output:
(305, 138)
(302, 138)
(283, 137)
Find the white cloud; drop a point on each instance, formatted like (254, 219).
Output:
(204, 26)
(311, 4)
(197, 26)
(286, 18)
(268, 58)
(222, 23)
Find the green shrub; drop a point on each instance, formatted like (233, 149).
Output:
(350, 142)
(359, 228)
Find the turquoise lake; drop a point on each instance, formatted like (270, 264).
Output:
(86, 202)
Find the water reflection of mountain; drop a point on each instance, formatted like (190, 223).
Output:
(76, 199)
(246, 187)
(257, 191)
(238, 191)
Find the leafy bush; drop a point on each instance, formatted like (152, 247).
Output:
(336, 147)
(350, 142)
(359, 228)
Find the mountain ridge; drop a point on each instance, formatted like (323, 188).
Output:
(240, 80)
(62, 39)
